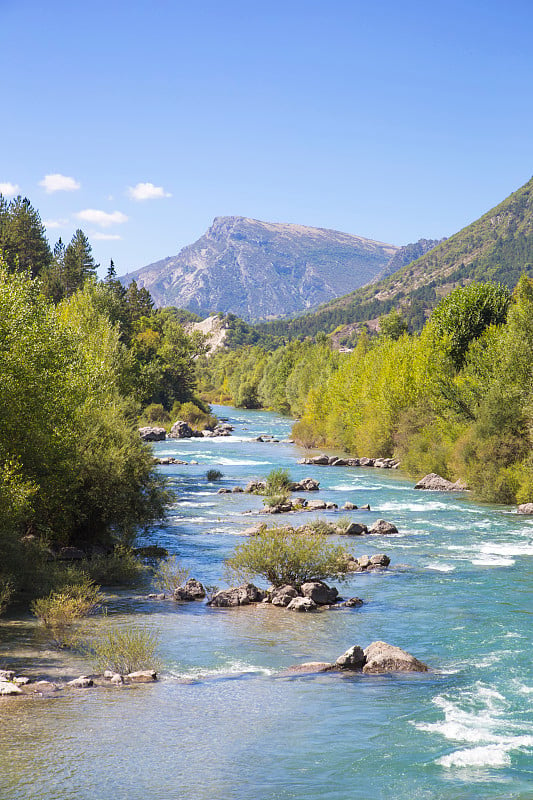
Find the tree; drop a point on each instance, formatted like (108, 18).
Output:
(23, 242)
(393, 325)
(284, 556)
(465, 313)
(79, 263)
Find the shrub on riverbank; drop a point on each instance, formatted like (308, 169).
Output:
(284, 556)
(125, 649)
(169, 575)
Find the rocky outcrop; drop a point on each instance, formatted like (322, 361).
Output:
(381, 657)
(368, 563)
(191, 590)
(302, 604)
(320, 593)
(435, 483)
(525, 508)
(334, 461)
(353, 658)
(181, 430)
(305, 485)
(141, 676)
(152, 434)
(283, 595)
(382, 527)
(237, 596)
(169, 460)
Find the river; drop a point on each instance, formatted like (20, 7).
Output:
(222, 724)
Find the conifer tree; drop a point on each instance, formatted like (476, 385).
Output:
(23, 241)
(79, 263)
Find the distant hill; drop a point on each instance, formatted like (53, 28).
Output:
(497, 247)
(262, 270)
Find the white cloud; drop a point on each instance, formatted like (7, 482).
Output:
(55, 223)
(105, 237)
(102, 218)
(9, 189)
(58, 183)
(147, 191)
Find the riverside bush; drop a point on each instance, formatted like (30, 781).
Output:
(120, 568)
(169, 575)
(214, 475)
(61, 610)
(284, 556)
(278, 481)
(125, 649)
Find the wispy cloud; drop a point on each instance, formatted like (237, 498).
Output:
(9, 189)
(59, 183)
(147, 191)
(55, 223)
(105, 237)
(102, 218)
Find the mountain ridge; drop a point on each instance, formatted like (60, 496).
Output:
(261, 270)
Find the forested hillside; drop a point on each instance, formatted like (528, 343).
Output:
(498, 246)
(456, 399)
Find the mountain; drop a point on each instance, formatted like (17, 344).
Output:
(261, 270)
(496, 247)
(406, 254)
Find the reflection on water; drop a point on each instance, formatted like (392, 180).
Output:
(222, 723)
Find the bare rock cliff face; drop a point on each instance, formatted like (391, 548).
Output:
(261, 270)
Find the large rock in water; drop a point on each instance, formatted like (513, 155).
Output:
(382, 657)
(383, 527)
(152, 434)
(435, 483)
(191, 590)
(237, 596)
(353, 658)
(525, 508)
(181, 430)
(320, 593)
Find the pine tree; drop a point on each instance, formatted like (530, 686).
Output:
(23, 239)
(79, 263)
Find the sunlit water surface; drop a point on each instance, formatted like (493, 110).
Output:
(222, 723)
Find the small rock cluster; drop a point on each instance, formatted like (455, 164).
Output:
(182, 430)
(333, 461)
(12, 685)
(525, 508)
(309, 597)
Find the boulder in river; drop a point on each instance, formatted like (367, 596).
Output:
(181, 430)
(7, 688)
(142, 676)
(383, 527)
(320, 593)
(306, 485)
(237, 596)
(152, 434)
(354, 529)
(525, 508)
(283, 595)
(353, 658)
(191, 590)
(302, 604)
(436, 483)
(83, 682)
(381, 657)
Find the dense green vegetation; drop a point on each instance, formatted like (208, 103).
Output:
(79, 360)
(456, 399)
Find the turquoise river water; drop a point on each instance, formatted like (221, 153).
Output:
(223, 724)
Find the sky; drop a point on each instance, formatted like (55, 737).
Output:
(139, 122)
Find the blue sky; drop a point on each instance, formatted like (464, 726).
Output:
(389, 120)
